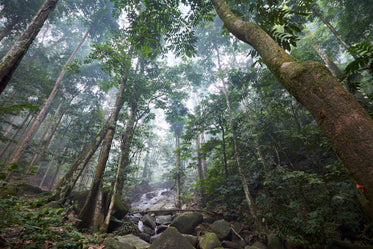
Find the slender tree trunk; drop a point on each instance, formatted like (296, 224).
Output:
(178, 175)
(249, 198)
(8, 27)
(87, 213)
(10, 126)
(45, 135)
(347, 126)
(225, 160)
(11, 60)
(330, 27)
(204, 162)
(30, 133)
(6, 147)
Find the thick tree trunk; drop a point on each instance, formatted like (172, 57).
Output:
(346, 124)
(11, 60)
(125, 148)
(30, 133)
(87, 213)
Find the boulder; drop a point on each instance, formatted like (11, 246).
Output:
(163, 220)
(148, 221)
(209, 241)
(132, 240)
(222, 229)
(192, 239)
(187, 222)
(171, 239)
(112, 243)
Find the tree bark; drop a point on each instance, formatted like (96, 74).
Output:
(11, 60)
(30, 133)
(178, 175)
(10, 126)
(87, 212)
(347, 126)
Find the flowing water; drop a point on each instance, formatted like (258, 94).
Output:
(158, 199)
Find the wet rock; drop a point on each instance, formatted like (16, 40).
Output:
(145, 237)
(187, 222)
(209, 241)
(171, 239)
(148, 230)
(222, 229)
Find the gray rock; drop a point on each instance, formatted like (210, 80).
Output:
(274, 242)
(171, 239)
(187, 222)
(163, 220)
(112, 243)
(257, 245)
(148, 220)
(209, 241)
(133, 241)
(222, 228)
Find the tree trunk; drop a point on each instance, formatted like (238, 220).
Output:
(125, 148)
(178, 176)
(6, 147)
(30, 133)
(248, 196)
(45, 135)
(330, 27)
(87, 212)
(204, 163)
(346, 124)
(8, 129)
(11, 60)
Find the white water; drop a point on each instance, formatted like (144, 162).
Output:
(156, 200)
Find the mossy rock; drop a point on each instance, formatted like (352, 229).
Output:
(222, 229)
(187, 222)
(209, 241)
(171, 239)
(112, 243)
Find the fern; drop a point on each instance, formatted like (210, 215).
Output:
(364, 60)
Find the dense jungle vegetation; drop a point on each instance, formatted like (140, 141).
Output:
(257, 111)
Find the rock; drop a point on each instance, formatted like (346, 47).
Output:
(148, 230)
(274, 242)
(186, 222)
(222, 229)
(209, 241)
(132, 240)
(163, 220)
(171, 239)
(192, 239)
(144, 236)
(160, 229)
(257, 245)
(233, 245)
(112, 243)
(148, 221)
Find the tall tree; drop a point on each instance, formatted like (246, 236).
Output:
(11, 60)
(347, 126)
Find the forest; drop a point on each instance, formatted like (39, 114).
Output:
(181, 124)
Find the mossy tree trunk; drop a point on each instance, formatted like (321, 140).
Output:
(87, 213)
(11, 60)
(345, 123)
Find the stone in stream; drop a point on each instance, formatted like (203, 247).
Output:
(163, 220)
(129, 241)
(209, 241)
(171, 239)
(187, 222)
(148, 221)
